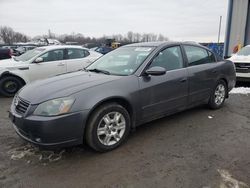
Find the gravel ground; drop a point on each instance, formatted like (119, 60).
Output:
(195, 148)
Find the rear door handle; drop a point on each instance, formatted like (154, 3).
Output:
(61, 64)
(183, 80)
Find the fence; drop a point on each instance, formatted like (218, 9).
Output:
(216, 48)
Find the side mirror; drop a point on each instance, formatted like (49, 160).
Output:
(39, 60)
(156, 71)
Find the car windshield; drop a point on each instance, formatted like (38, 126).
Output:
(245, 51)
(29, 54)
(122, 61)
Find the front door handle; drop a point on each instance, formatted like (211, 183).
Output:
(183, 80)
(214, 71)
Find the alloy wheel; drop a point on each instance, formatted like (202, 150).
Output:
(219, 95)
(111, 128)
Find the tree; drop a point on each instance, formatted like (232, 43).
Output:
(19, 37)
(137, 37)
(6, 33)
(9, 36)
(162, 38)
(130, 36)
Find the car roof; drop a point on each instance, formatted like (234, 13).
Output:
(151, 44)
(163, 43)
(52, 47)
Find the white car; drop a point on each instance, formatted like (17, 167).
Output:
(242, 63)
(40, 63)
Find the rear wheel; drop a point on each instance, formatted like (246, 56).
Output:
(108, 127)
(218, 95)
(9, 85)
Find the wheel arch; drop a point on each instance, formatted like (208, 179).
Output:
(116, 99)
(7, 73)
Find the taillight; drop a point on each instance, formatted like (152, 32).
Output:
(10, 52)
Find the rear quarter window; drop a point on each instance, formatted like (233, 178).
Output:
(211, 56)
(75, 53)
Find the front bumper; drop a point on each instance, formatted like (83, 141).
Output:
(243, 76)
(50, 132)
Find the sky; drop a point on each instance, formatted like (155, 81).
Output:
(180, 20)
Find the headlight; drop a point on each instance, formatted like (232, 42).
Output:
(54, 107)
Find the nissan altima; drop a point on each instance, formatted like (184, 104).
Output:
(125, 88)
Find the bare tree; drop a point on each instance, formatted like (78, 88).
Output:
(19, 37)
(162, 38)
(137, 37)
(9, 36)
(118, 37)
(130, 35)
(6, 33)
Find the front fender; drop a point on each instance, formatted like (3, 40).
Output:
(123, 89)
(15, 73)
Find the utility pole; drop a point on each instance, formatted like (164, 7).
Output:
(219, 30)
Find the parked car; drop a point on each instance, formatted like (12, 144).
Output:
(22, 49)
(5, 53)
(94, 48)
(242, 64)
(104, 49)
(125, 88)
(12, 47)
(40, 63)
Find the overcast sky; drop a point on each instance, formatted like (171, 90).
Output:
(196, 20)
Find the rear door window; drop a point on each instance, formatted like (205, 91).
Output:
(76, 53)
(198, 56)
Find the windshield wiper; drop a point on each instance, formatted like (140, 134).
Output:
(85, 69)
(99, 70)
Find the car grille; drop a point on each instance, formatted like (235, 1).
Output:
(21, 105)
(242, 67)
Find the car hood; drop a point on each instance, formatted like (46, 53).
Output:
(63, 85)
(240, 58)
(10, 63)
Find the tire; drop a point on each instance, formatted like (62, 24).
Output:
(110, 135)
(9, 85)
(218, 95)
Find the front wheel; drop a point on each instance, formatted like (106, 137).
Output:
(218, 95)
(9, 85)
(108, 127)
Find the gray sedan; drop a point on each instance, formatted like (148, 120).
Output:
(125, 88)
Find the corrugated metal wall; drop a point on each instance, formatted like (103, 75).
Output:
(237, 25)
(247, 33)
